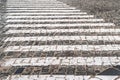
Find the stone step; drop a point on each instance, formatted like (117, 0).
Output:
(61, 77)
(70, 53)
(46, 61)
(63, 48)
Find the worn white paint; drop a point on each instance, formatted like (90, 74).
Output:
(43, 13)
(37, 5)
(12, 8)
(63, 48)
(61, 25)
(44, 10)
(58, 38)
(45, 61)
(59, 17)
(58, 20)
(61, 77)
(38, 31)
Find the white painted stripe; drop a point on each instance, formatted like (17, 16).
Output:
(58, 20)
(45, 10)
(61, 77)
(40, 6)
(63, 48)
(45, 61)
(47, 6)
(36, 5)
(41, 3)
(63, 30)
(68, 16)
(61, 25)
(35, 2)
(30, 1)
(13, 8)
(43, 13)
(9, 1)
(51, 38)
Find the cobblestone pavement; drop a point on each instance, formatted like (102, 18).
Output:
(50, 40)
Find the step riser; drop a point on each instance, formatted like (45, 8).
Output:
(61, 34)
(58, 54)
(60, 70)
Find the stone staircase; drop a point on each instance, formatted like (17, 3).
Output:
(49, 40)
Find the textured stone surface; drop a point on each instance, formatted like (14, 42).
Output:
(49, 38)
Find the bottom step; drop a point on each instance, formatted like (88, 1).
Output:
(60, 77)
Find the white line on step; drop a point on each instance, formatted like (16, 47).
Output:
(63, 48)
(61, 25)
(19, 8)
(43, 13)
(29, 4)
(67, 16)
(58, 38)
(60, 77)
(58, 20)
(37, 31)
(34, 6)
(45, 61)
(44, 10)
